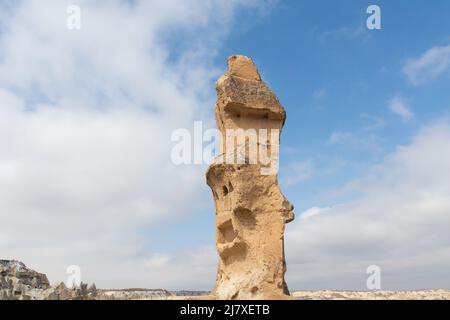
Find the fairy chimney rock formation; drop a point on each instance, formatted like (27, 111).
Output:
(251, 211)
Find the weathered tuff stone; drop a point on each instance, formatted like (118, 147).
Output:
(251, 211)
(61, 292)
(17, 282)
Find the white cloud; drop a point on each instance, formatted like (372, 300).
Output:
(297, 172)
(342, 33)
(355, 141)
(399, 221)
(320, 93)
(372, 122)
(429, 66)
(158, 261)
(400, 107)
(85, 123)
(339, 137)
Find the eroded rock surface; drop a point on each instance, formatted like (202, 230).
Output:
(251, 211)
(373, 295)
(18, 282)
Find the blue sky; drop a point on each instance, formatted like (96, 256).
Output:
(333, 75)
(310, 47)
(87, 176)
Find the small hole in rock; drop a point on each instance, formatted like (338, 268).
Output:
(227, 233)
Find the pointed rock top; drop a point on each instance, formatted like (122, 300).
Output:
(243, 67)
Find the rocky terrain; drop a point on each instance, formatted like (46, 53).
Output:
(18, 282)
(373, 295)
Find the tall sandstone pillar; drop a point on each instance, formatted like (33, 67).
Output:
(251, 211)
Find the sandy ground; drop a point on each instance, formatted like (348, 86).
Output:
(373, 295)
(301, 295)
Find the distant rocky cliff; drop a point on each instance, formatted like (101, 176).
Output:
(17, 282)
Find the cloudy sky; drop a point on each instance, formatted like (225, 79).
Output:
(86, 118)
